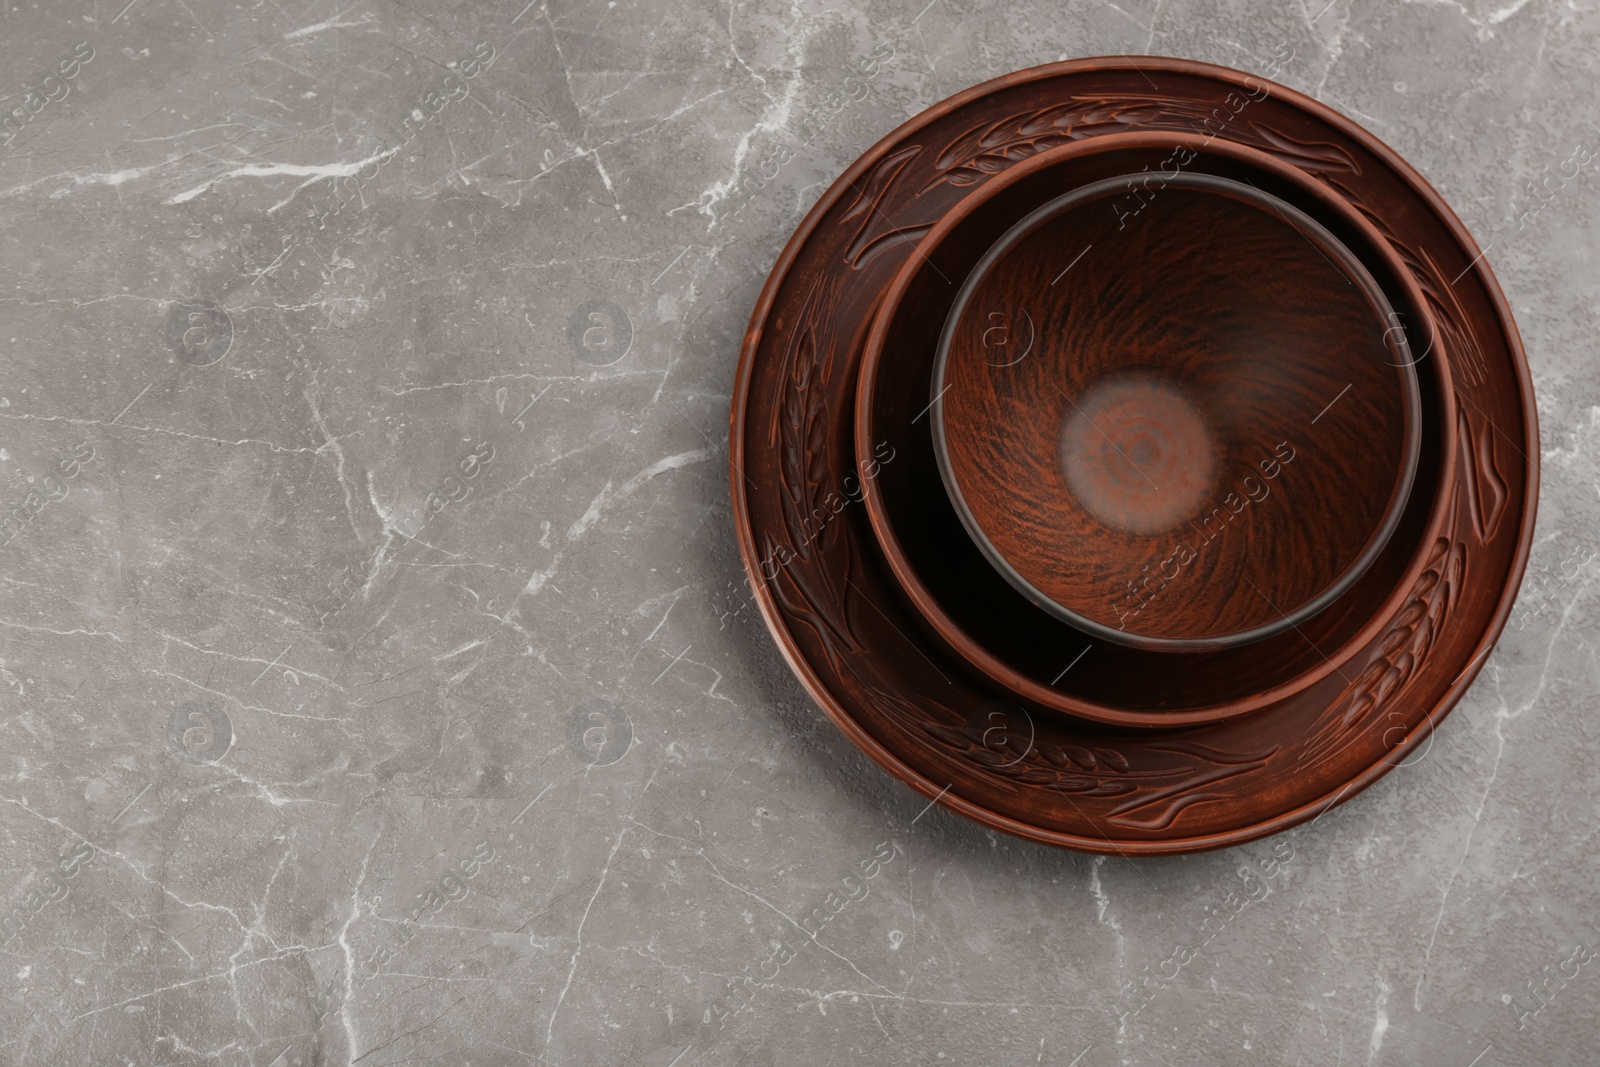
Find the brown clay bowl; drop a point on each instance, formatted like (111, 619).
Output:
(1176, 416)
(957, 594)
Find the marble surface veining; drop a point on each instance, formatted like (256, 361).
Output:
(376, 682)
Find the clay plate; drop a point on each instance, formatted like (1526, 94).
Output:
(912, 707)
(964, 602)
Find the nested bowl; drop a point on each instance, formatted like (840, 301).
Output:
(964, 600)
(1175, 414)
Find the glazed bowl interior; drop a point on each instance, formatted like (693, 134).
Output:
(965, 602)
(1173, 413)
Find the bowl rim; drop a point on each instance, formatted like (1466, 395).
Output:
(1342, 259)
(1004, 674)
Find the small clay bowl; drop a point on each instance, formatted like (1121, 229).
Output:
(1176, 418)
(1039, 657)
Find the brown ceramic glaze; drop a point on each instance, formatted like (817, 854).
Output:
(1125, 379)
(1034, 656)
(858, 645)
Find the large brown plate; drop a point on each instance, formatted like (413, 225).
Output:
(855, 643)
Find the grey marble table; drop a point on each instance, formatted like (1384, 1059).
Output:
(376, 682)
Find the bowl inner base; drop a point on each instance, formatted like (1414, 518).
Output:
(1138, 454)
